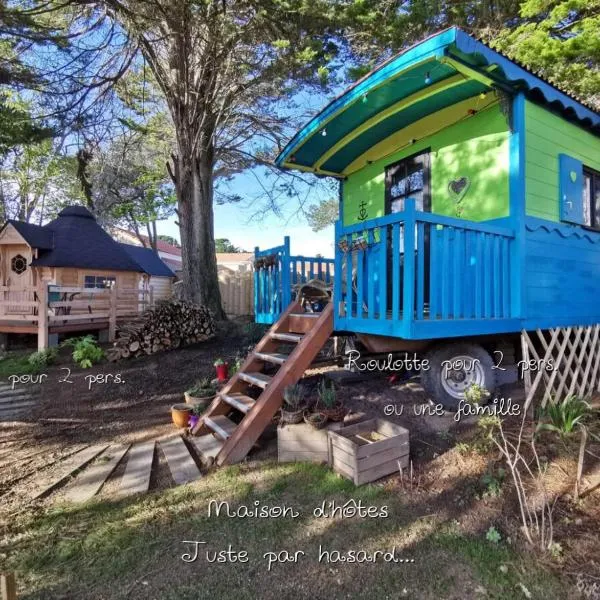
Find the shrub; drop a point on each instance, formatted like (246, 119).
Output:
(564, 417)
(293, 396)
(202, 388)
(326, 393)
(86, 351)
(43, 358)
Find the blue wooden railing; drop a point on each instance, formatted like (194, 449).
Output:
(421, 275)
(277, 273)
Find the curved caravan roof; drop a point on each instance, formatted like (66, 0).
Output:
(439, 72)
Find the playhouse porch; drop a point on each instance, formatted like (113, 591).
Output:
(412, 275)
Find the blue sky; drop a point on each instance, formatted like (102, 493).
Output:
(236, 223)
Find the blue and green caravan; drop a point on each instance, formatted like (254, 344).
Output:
(469, 199)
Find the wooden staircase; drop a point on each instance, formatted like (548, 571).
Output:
(228, 441)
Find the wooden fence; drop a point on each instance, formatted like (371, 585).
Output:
(237, 292)
(54, 307)
(566, 359)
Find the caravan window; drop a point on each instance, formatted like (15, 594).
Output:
(408, 178)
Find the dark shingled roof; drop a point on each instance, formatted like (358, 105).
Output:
(149, 260)
(36, 236)
(81, 243)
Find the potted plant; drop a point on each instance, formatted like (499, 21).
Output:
(201, 394)
(330, 405)
(181, 413)
(195, 416)
(317, 419)
(293, 404)
(222, 369)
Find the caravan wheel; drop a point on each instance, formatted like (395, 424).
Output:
(454, 368)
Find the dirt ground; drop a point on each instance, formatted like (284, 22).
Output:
(76, 408)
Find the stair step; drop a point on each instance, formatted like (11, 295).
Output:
(272, 357)
(306, 315)
(221, 425)
(239, 401)
(258, 379)
(287, 337)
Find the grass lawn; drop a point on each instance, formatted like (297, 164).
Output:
(16, 363)
(133, 548)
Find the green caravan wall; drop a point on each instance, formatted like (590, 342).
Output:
(476, 147)
(546, 136)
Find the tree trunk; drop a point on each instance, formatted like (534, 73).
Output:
(194, 186)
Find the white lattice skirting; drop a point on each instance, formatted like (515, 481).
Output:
(574, 356)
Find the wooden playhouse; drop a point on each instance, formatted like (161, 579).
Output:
(62, 276)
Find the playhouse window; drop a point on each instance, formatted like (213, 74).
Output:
(407, 178)
(591, 198)
(98, 281)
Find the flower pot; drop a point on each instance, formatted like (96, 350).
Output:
(292, 417)
(318, 420)
(181, 413)
(222, 372)
(200, 402)
(336, 413)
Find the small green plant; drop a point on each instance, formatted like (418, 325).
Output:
(218, 362)
(493, 535)
(564, 417)
(492, 481)
(327, 395)
(293, 396)
(86, 351)
(236, 365)
(487, 425)
(202, 388)
(474, 394)
(43, 358)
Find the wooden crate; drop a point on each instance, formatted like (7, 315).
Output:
(362, 460)
(302, 442)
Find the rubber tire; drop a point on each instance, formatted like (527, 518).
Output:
(431, 379)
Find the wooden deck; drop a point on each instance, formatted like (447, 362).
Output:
(37, 311)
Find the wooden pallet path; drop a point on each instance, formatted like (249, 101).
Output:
(208, 447)
(68, 467)
(181, 464)
(136, 479)
(16, 402)
(88, 483)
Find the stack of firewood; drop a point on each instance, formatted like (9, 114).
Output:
(167, 326)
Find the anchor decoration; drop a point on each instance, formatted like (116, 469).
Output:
(363, 215)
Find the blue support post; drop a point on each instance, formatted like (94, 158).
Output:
(286, 286)
(256, 296)
(517, 205)
(337, 277)
(408, 304)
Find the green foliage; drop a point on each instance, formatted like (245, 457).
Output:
(560, 40)
(327, 394)
(202, 388)
(86, 351)
(492, 482)
(43, 358)
(219, 362)
(293, 397)
(493, 535)
(320, 216)
(223, 245)
(169, 240)
(475, 394)
(564, 417)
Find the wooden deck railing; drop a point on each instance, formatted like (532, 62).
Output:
(276, 271)
(416, 268)
(50, 306)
